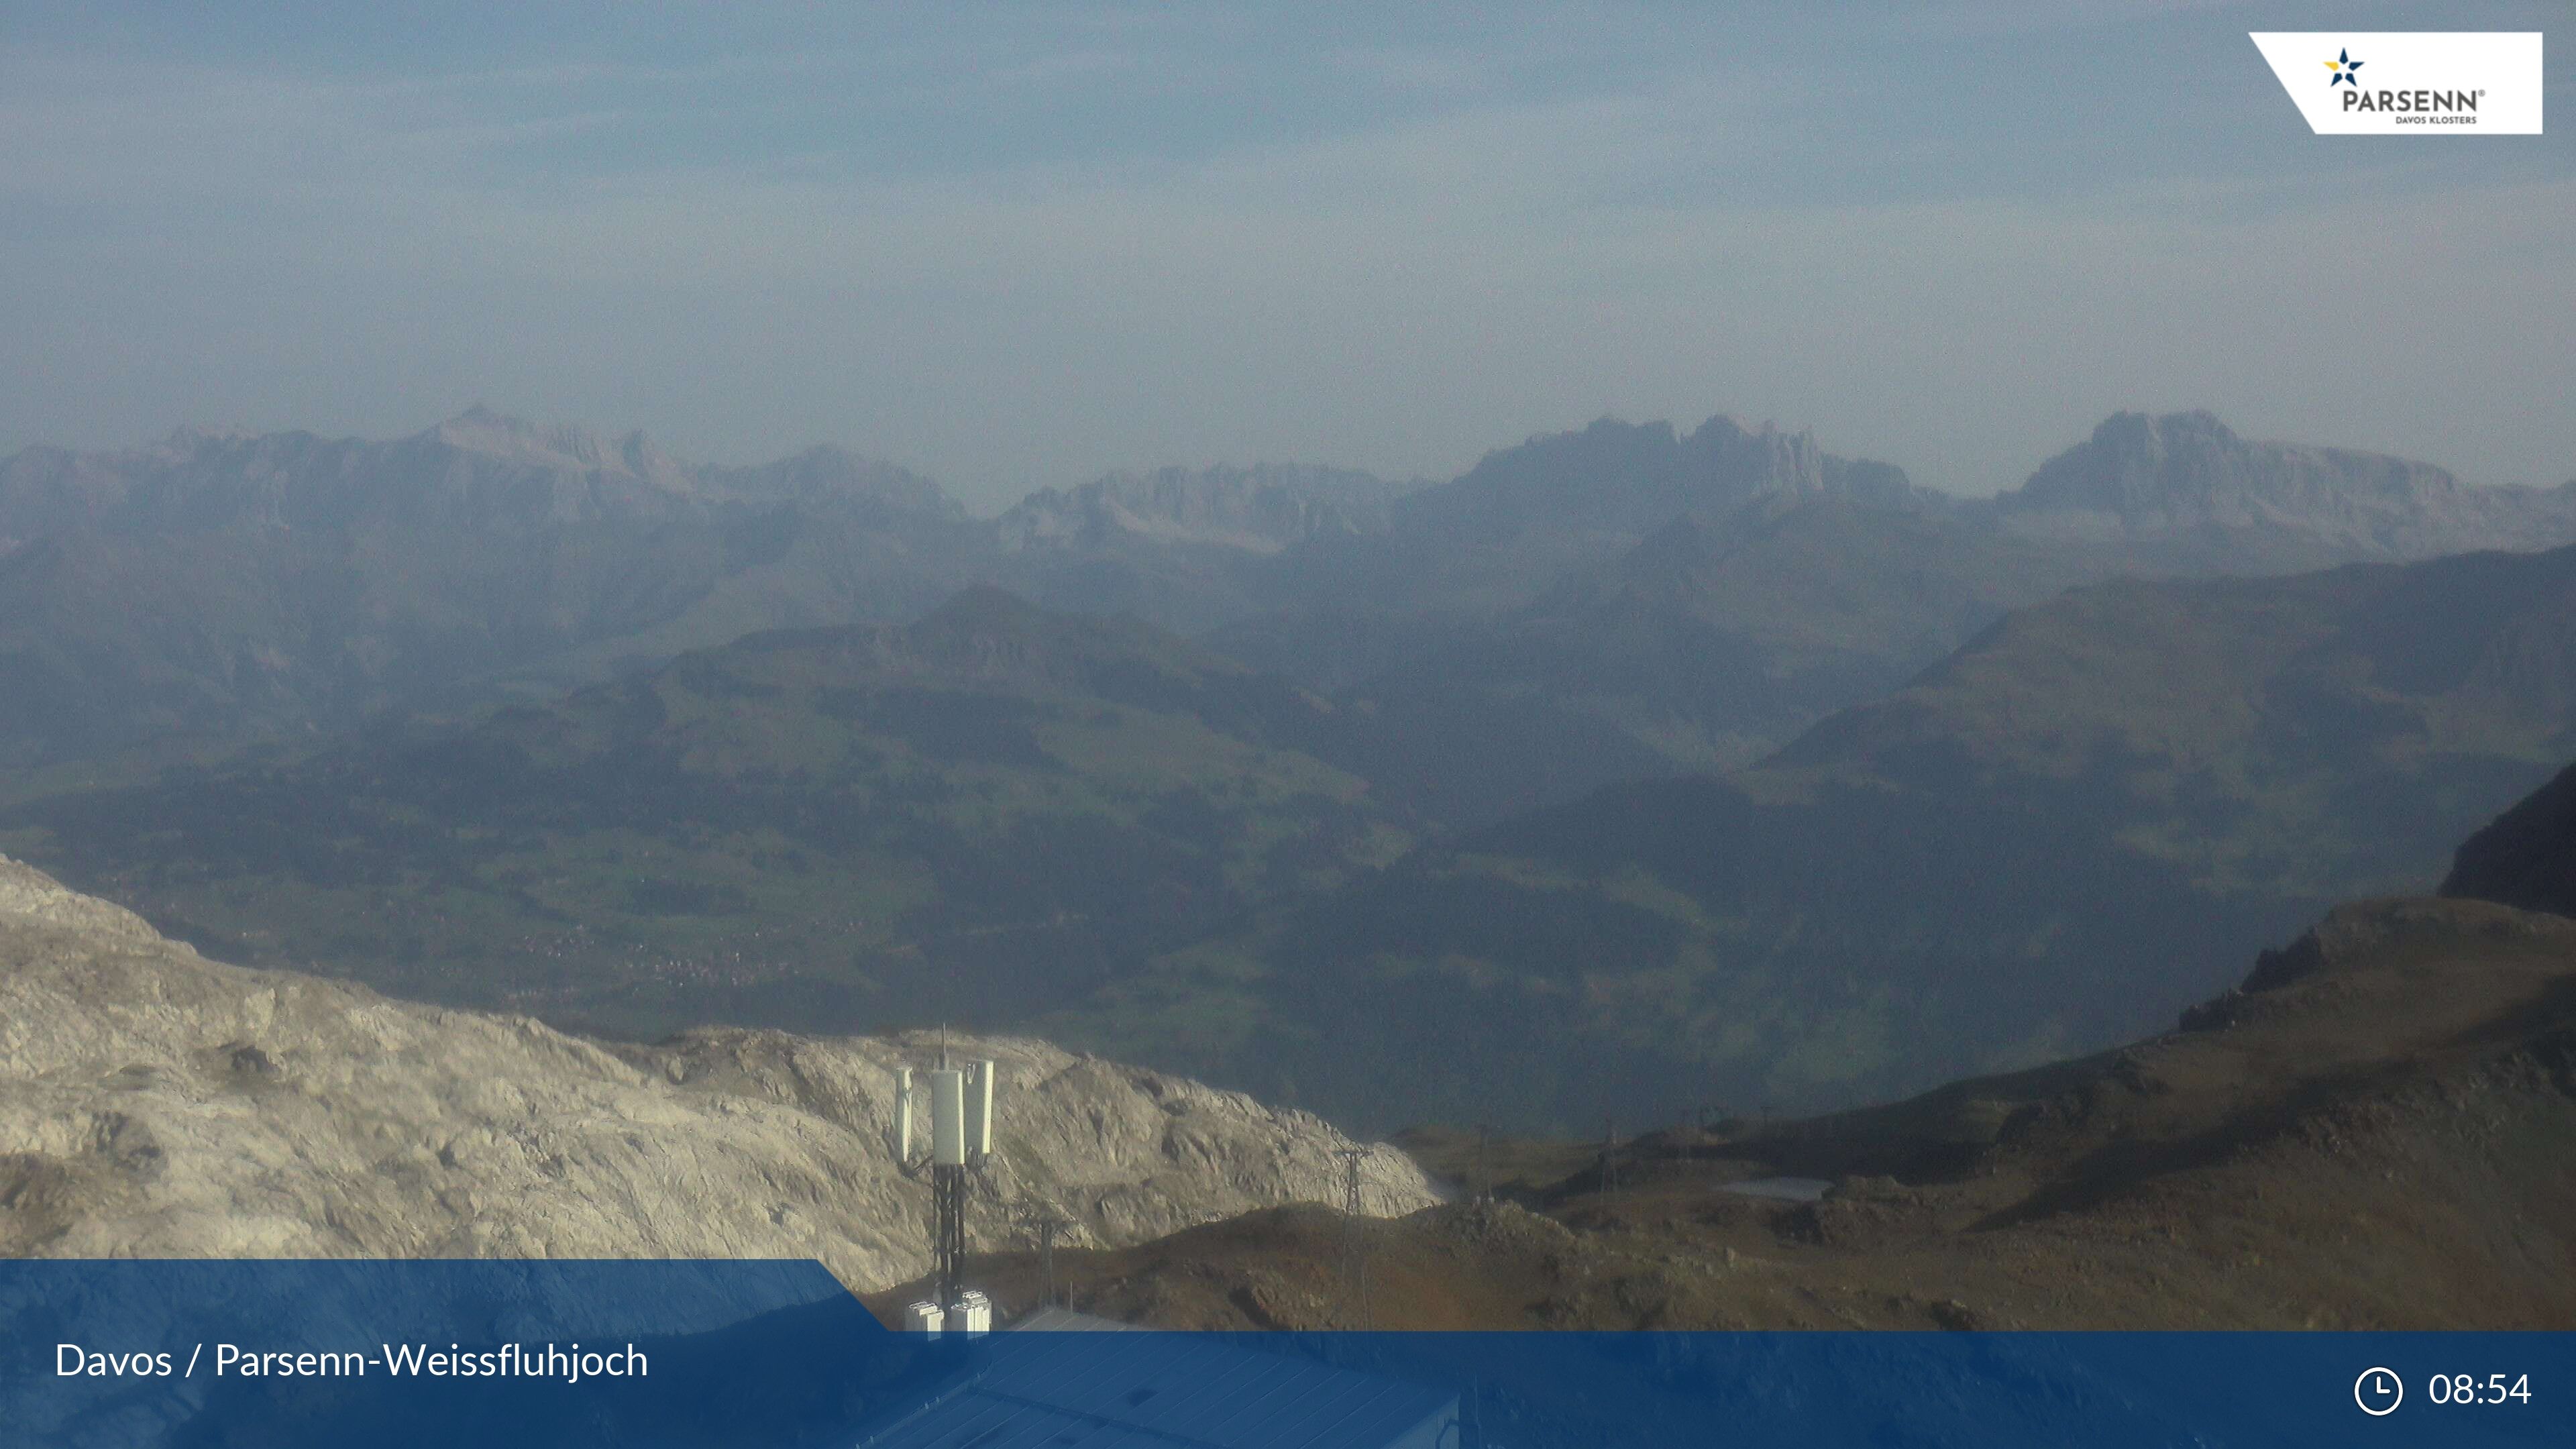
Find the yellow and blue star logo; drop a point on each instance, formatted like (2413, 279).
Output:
(2344, 68)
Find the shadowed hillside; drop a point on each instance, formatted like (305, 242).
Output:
(2377, 1131)
(2527, 858)
(2055, 838)
(976, 817)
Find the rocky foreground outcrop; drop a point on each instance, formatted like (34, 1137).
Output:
(156, 1103)
(2527, 857)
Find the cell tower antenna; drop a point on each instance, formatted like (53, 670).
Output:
(961, 1139)
(899, 1131)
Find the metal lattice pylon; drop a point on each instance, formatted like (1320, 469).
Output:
(1043, 1223)
(1354, 1268)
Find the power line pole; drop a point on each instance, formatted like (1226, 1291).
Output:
(1354, 1241)
(1044, 1223)
(1046, 1254)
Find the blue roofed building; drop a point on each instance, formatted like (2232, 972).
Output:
(1063, 1380)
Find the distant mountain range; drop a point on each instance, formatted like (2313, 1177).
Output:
(478, 473)
(1306, 781)
(1622, 592)
(1634, 596)
(219, 586)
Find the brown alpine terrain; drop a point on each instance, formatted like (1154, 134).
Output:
(2376, 1130)
(154, 1103)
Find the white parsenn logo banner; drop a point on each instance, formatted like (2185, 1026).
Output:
(2444, 83)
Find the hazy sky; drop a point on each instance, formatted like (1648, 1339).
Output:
(1017, 246)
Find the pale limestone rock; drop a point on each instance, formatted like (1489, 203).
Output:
(155, 1103)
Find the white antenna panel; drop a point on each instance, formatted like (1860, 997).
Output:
(903, 1114)
(979, 1111)
(948, 1119)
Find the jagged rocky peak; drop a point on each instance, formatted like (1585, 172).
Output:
(1632, 478)
(163, 1104)
(827, 474)
(1260, 509)
(2184, 468)
(2142, 476)
(475, 471)
(187, 439)
(478, 470)
(1769, 458)
(820, 475)
(554, 446)
(481, 471)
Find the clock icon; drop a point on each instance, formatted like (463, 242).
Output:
(2378, 1392)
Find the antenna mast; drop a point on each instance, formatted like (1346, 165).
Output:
(961, 1137)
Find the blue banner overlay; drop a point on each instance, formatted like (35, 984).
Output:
(496, 1355)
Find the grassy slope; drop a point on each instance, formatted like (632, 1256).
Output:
(2045, 844)
(982, 814)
